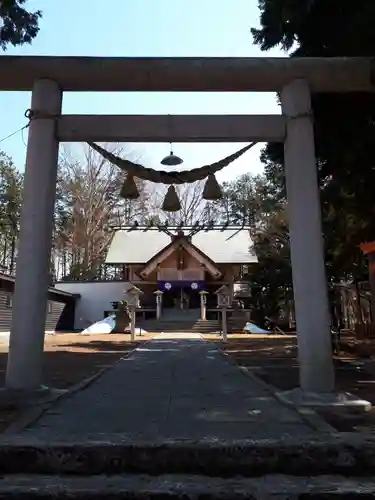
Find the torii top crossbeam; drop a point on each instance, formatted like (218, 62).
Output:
(112, 74)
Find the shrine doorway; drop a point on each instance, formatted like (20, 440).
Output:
(181, 296)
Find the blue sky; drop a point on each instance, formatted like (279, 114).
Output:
(146, 28)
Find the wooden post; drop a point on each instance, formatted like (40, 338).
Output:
(368, 249)
(203, 296)
(371, 270)
(224, 324)
(132, 323)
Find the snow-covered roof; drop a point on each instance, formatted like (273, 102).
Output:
(230, 246)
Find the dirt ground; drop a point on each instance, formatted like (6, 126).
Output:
(273, 358)
(70, 358)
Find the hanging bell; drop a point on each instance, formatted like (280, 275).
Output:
(212, 190)
(171, 202)
(129, 189)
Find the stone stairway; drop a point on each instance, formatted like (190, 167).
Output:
(189, 321)
(184, 326)
(197, 326)
(113, 467)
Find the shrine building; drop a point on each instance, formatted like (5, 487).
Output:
(172, 267)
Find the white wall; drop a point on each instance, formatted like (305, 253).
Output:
(96, 297)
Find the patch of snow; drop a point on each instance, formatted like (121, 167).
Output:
(105, 325)
(250, 327)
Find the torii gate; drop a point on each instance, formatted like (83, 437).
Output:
(294, 78)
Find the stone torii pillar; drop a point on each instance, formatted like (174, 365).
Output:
(24, 368)
(306, 242)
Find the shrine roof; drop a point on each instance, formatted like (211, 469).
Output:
(230, 246)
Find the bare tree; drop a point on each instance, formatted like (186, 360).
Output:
(87, 204)
(141, 210)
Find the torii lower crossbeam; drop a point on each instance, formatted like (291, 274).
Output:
(175, 128)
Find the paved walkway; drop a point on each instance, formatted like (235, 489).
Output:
(180, 387)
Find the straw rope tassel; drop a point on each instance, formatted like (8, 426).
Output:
(212, 190)
(171, 202)
(129, 189)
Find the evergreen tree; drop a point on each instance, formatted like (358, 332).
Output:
(11, 182)
(18, 25)
(344, 123)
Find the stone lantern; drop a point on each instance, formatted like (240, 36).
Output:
(223, 303)
(159, 303)
(133, 303)
(203, 294)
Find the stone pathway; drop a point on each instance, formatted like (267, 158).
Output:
(176, 386)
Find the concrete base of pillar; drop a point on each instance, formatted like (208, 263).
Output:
(297, 397)
(26, 398)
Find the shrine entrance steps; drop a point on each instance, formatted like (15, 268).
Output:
(178, 420)
(186, 326)
(175, 320)
(182, 315)
(197, 326)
